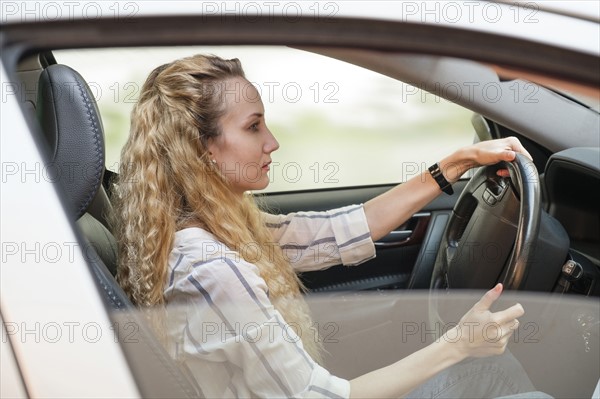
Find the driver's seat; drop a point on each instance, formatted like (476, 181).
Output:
(72, 126)
(71, 123)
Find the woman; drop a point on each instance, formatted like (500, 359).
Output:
(193, 241)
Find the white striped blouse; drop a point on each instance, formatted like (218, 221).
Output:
(222, 325)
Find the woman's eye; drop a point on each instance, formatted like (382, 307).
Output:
(254, 126)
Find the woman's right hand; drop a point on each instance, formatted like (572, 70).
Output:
(482, 333)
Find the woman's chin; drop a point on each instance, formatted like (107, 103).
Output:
(256, 186)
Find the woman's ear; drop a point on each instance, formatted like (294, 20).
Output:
(211, 147)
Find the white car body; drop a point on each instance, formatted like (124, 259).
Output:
(72, 350)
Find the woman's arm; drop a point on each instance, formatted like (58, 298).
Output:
(318, 240)
(392, 208)
(467, 339)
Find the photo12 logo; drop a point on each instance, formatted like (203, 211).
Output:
(270, 331)
(47, 11)
(53, 332)
(453, 12)
(253, 11)
(452, 332)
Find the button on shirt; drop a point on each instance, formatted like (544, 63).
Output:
(222, 325)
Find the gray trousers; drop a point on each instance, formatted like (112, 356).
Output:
(489, 377)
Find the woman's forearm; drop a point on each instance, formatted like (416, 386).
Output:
(392, 208)
(401, 377)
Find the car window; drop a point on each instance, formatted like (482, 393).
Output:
(338, 124)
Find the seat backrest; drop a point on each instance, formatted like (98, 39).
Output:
(70, 120)
(71, 123)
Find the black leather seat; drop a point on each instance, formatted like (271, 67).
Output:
(71, 123)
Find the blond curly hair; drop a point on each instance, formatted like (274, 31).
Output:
(166, 183)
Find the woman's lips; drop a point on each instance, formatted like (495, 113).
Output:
(266, 167)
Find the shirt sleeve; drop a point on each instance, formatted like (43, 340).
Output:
(231, 321)
(317, 240)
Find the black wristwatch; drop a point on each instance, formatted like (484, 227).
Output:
(437, 174)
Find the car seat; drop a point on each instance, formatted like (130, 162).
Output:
(71, 124)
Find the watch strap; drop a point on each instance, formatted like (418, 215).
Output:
(438, 176)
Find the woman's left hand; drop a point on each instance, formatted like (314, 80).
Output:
(481, 154)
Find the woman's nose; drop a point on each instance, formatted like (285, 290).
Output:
(272, 144)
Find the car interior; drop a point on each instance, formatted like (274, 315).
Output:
(565, 252)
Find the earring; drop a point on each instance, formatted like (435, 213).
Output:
(214, 161)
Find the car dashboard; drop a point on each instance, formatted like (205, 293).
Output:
(572, 194)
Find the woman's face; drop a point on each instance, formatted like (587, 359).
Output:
(243, 149)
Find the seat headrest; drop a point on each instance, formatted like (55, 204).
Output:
(69, 117)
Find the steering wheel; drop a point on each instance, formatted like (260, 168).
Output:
(492, 231)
